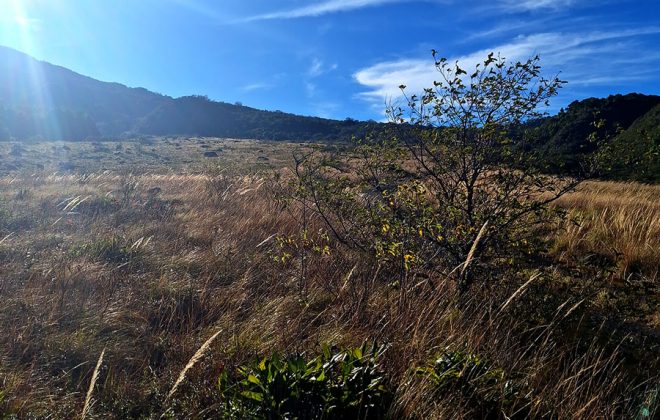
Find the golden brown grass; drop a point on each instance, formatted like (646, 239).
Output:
(619, 221)
(149, 275)
(191, 363)
(92, 383)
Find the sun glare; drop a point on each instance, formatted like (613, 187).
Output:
(43, 97)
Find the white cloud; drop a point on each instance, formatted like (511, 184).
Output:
(318, 68)
(314, 93)
(256, 86)
(525, 5)
(584, 59)
(322, 8)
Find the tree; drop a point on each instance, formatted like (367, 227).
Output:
(449, 189)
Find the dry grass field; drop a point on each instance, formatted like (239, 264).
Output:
(144, 256)
(618, 221)
(153, 155)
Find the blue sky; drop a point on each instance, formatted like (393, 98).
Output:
(335, 58)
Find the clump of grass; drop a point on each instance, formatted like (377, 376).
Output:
(98, 206)
(5, 216)
(485, 389)
(116, 250)
(23, 194)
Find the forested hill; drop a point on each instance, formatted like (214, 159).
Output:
(200, 116)
(39, 100)
(634, 154)
(623, 129)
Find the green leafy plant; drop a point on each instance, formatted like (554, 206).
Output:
(483, 387)
(344, 385)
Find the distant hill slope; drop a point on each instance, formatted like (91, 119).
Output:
(38, 99)
(41, 100)
(635, 153)
(566, 137)
(200, 116)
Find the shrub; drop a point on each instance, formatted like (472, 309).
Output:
(448, 189)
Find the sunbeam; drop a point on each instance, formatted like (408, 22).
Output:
(45, 119)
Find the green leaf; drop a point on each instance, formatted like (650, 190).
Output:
(253, 395)
(358, 353)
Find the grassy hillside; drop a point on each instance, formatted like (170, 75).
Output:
(38, 99)
(194, 293)
(200, 116)
(41, 101)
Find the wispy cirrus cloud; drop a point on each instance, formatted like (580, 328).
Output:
(591, 58)
(316, 95)
(318, 68)
(526, 5)
(548, 6)
(257, 86)
(322, 8)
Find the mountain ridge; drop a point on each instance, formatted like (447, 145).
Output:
(59, 104)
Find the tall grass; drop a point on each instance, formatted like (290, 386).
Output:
(618, 221)
(210, 265)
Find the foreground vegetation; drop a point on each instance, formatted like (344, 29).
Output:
(147, 268)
